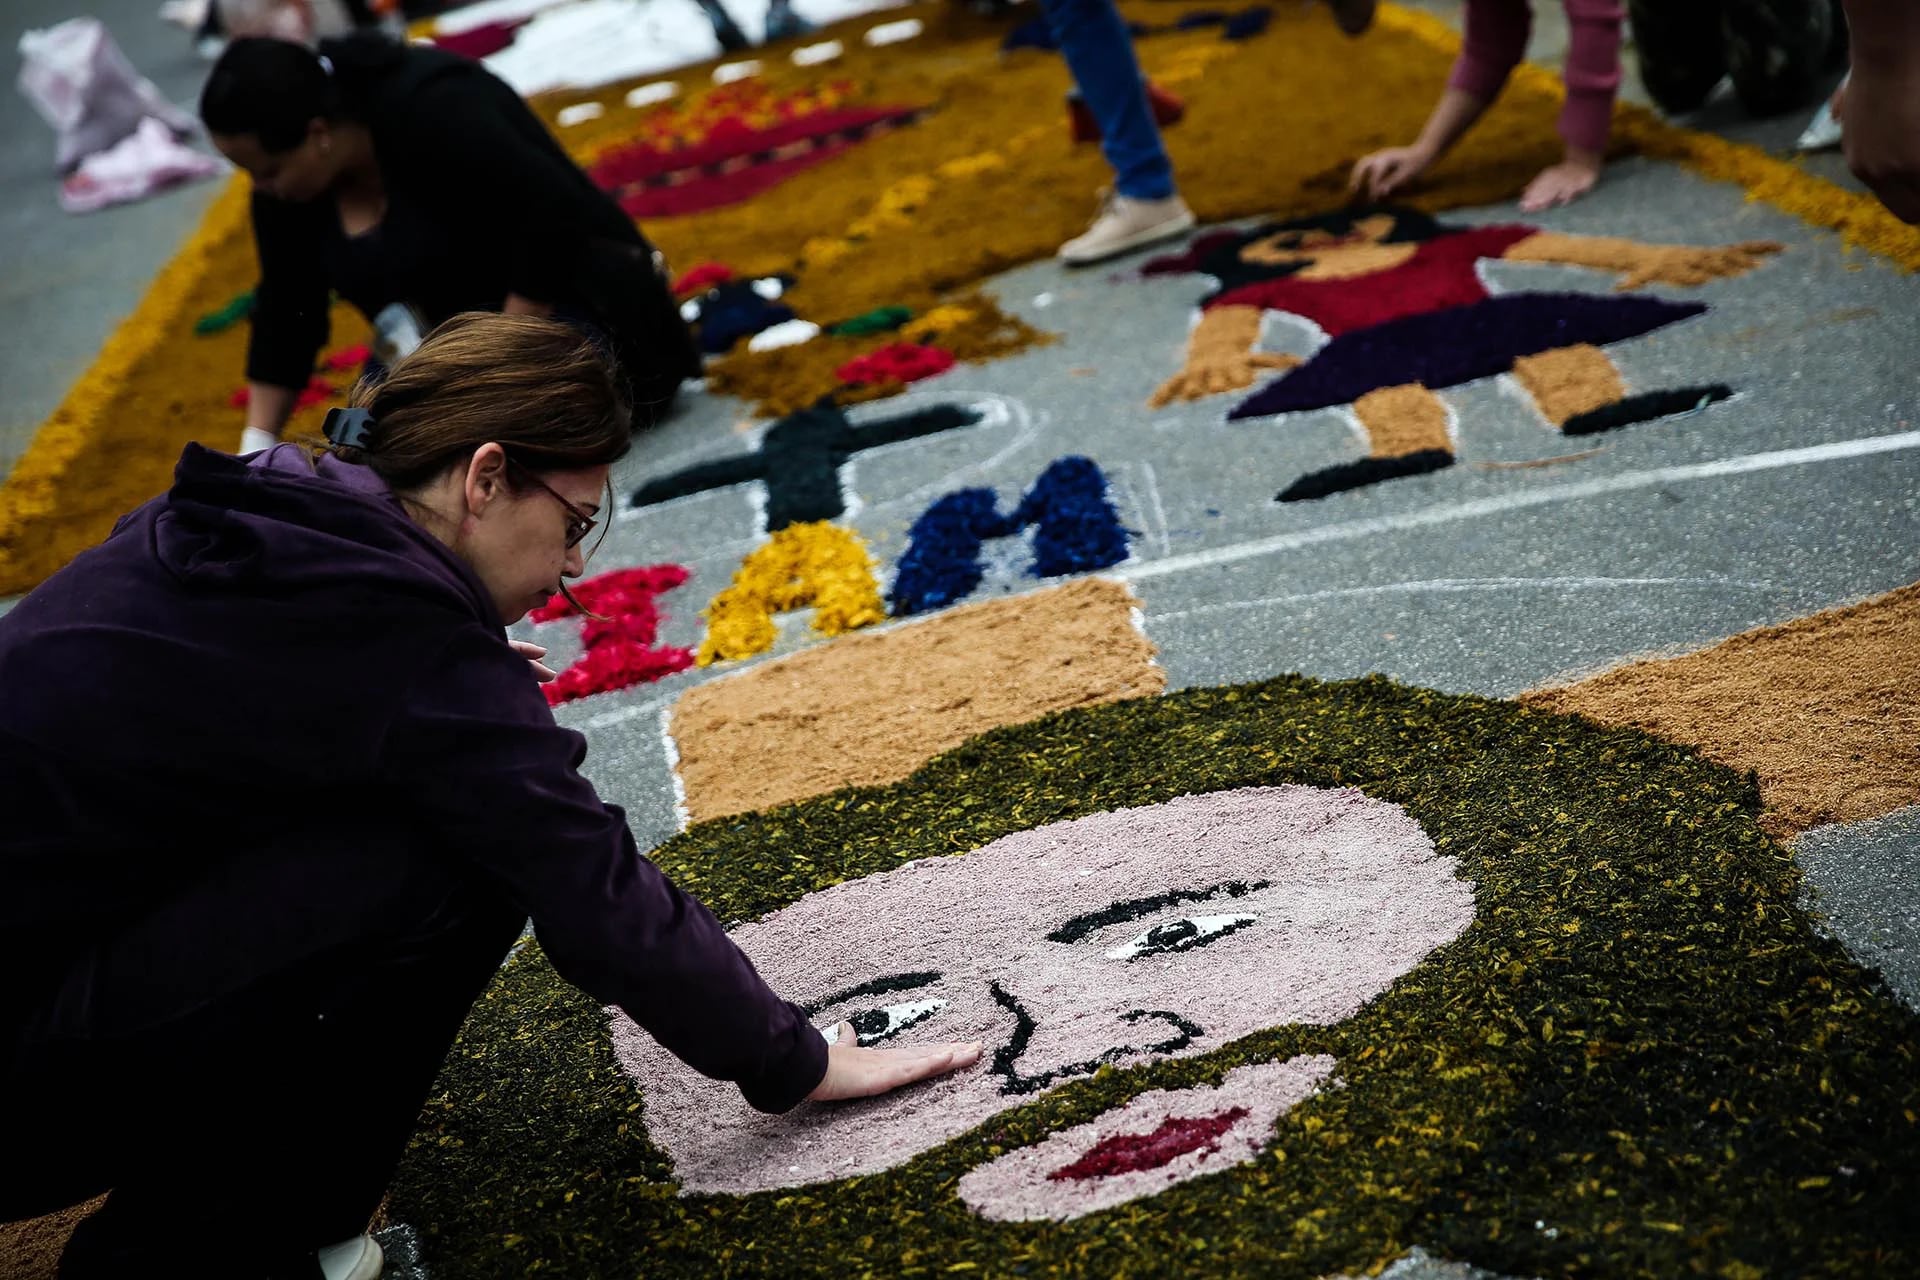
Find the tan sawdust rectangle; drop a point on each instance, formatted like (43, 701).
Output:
(1821, 708)
(873, 706)
(1570, 381)
(1402, 420)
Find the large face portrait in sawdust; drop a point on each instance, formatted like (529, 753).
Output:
(1117, 938)
(1639, 1058)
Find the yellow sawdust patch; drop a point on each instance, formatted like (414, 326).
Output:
(817, 565)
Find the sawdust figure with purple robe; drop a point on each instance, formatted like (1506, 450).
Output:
(1405, 314)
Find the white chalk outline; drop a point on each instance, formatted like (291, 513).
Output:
(682, 816)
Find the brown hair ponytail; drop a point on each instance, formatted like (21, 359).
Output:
(540, 389)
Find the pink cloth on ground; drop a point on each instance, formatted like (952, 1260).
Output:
(1496, 40)
(138, 165)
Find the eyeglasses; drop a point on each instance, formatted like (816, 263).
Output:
(580, 523)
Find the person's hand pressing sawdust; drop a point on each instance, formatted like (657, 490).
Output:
(854, 1071)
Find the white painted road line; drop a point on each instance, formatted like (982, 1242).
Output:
(1452, 512)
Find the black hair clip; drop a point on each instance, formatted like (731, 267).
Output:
(349, 428)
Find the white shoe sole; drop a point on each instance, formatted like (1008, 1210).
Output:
(356, 1259)
(1138, 240)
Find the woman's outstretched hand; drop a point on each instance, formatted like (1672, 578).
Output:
(854, 1072)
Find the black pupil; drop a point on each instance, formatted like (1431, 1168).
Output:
(871, 1024)
(1171, 935)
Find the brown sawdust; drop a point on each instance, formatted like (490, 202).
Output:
(1221, 357)
(1637, 263)
(1402, 420)
(1820, 708)
(872, 707)
(1569, 381)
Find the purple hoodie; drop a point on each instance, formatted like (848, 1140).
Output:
(274, 641)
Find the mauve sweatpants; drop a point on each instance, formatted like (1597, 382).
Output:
(243, 1065)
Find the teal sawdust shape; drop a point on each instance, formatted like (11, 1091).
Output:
(1641, 1042)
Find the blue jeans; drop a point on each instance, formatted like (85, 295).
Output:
(1093, 39)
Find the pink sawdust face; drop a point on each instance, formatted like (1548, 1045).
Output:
(1118, 938)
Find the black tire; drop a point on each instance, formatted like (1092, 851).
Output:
(1776, 51)
(1680, 50)
(1837, 49)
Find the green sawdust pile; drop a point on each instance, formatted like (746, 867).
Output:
(1640, 1043)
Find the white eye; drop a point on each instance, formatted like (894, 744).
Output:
(1179, 935)
(769, 287)
(690, 310)
(871, 1026)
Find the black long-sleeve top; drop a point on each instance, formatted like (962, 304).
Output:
(481, 202)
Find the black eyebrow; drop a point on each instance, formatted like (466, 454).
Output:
(877, 987)
(1133, 908)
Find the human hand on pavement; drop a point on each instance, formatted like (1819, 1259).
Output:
(856, 1072)
(1562, 183)
(1382, 173)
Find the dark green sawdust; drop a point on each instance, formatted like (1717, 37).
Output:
(1640, 1045)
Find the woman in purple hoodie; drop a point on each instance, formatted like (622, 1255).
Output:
(281, 795)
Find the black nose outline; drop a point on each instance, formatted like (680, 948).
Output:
(1008, 1054)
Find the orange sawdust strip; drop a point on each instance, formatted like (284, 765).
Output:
(871, 708)
(986, 181)
(1820, 708)
(1569, 381)
(1402, 420)
(1637, 263)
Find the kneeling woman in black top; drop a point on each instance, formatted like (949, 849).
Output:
(417, 185)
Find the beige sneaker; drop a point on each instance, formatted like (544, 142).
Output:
(1125, 223)
(1352, 16)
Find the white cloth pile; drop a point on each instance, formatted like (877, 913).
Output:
(116, 137)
